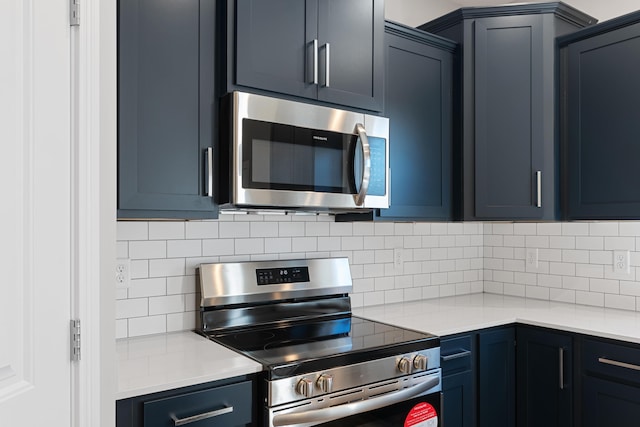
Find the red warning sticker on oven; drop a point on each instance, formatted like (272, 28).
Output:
(422, 415)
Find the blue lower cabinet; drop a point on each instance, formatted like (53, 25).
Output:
(457, 362)
(220, 404)
(497, 378)
(609, 403)
(610, 383)
(545, 378)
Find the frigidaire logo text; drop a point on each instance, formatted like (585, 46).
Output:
(320, 138)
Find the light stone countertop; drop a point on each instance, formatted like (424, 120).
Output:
(161, 362)
(451, 315)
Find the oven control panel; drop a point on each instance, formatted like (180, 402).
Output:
(276, 276)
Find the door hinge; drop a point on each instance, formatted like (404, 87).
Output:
(74, 12)
(75, 340)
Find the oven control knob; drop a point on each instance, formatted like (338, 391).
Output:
(420, 362)
(404, 365)
(305, 387)
(325, 383)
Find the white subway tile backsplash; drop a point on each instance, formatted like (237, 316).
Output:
(166, 230)
(621, 302)
(439, 259)
(201, 230)
(167, 304)
(147, 325)
(136, 307)
(252, 246)
(603, 229)
(282, 245)
(132, 230)
(341, 229)
(264, 229)
(184, 248)
(148, 249)
(148, 287)
(590, 298)
(181, 285)
(234, 230)
(167, 267)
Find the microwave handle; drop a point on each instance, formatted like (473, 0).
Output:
(366, 174)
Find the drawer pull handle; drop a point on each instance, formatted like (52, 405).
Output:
(183, 421)
(618, 364)
(456, 356)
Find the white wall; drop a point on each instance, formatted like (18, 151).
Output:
(417, 12)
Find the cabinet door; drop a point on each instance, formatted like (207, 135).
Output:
(544, 378)
(457, 362)
(508, 116)
(166, 107)
(275, 45)
(496, 379)
(457, 401)
(351, 52)
(602, 129)
(418, 104)
(608, 403)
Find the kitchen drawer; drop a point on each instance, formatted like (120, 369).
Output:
(456, 354)
(611, 360)
(225, 406)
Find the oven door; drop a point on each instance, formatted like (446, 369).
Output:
(413, 401)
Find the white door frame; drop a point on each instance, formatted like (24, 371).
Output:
(94, 108)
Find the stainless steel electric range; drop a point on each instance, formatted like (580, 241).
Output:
(322, 365)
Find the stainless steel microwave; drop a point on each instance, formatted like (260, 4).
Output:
(292, 156)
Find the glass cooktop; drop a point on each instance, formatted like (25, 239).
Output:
(303, 347)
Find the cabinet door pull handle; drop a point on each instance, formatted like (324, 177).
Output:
(209, 172)
(539, 189)
(618, 364)
(315, 61)
(327, 67)
(184, 421)
(561, 366)
(454, 356)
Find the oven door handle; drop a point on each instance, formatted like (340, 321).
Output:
(342, 411)
(366, 173)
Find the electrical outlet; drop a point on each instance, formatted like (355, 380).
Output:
(621, 262)
(532, 257)
(398, 258)
(123, 272)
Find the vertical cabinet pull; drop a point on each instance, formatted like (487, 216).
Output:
(561, 367)
(209, 171)
(327, 67)
(539, 189)
(315, 61)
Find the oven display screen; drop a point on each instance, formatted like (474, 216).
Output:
(274, 276)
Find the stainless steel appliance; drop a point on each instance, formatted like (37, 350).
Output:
(322, 365)
(279, 154)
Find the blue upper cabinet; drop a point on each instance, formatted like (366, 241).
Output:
(324, 50)
(166, 108)
(600, 122)
(508, 161)
(418, 101)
